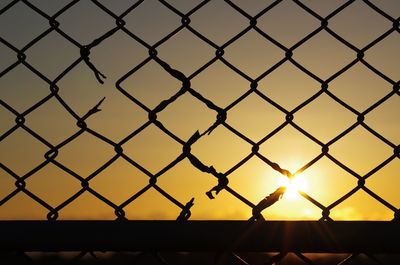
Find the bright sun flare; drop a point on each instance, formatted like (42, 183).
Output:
(293, 186)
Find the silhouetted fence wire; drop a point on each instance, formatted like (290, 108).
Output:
(221, 178)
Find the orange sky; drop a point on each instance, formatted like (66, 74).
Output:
(323, 118)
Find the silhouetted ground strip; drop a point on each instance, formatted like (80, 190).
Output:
(159, 258)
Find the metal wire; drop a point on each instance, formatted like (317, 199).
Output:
(222, 178)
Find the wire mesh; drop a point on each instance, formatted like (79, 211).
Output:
(82, 125)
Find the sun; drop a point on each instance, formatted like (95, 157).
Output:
(293, 186)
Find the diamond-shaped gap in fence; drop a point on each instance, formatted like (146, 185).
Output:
(290, 149)
(323, 8)
(151, 84)
(253, 7)
(23, 30)
(21, 152)
(186, 115)
(59, 52)
(50, 7)
(152, 205)
(254, 117)
(220, 84)
(327, 182)
(152, 149)
(324, 118)
(22, 207)
(288, 86)
(7, 120)
(184, 182)
(80, 90)
(359, 87)
(8, 57)
(115, 62)
(314, 54)
(184, 6)
(383, 58)
(390, 7)
(85, 22)
(383, 183)
(186, 52)
(7, 184)
(118, 7)
(385, 119)
(21, 89)
(255, 180)
(287, 23)
(221, 149)
(360, 150)
(53, 185)
(85, 154)
(119, 181)
(87, 207)
(52, 122)
(361, 206)
(253, 54)
(118, 117)
(218, 22)
(148, 27)
(360, 30)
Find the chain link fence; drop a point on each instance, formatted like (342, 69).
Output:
(85, 59)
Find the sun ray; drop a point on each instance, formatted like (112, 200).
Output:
(293, 186)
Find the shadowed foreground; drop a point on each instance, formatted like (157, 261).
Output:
(181, 258)
(199, 242)
(202, 236)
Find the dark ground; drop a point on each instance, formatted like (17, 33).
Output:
(133, 258)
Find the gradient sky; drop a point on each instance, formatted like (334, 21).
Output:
(287, 23)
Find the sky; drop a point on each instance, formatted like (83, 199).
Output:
(287, 86)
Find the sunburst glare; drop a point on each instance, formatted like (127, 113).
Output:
(294, 186)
